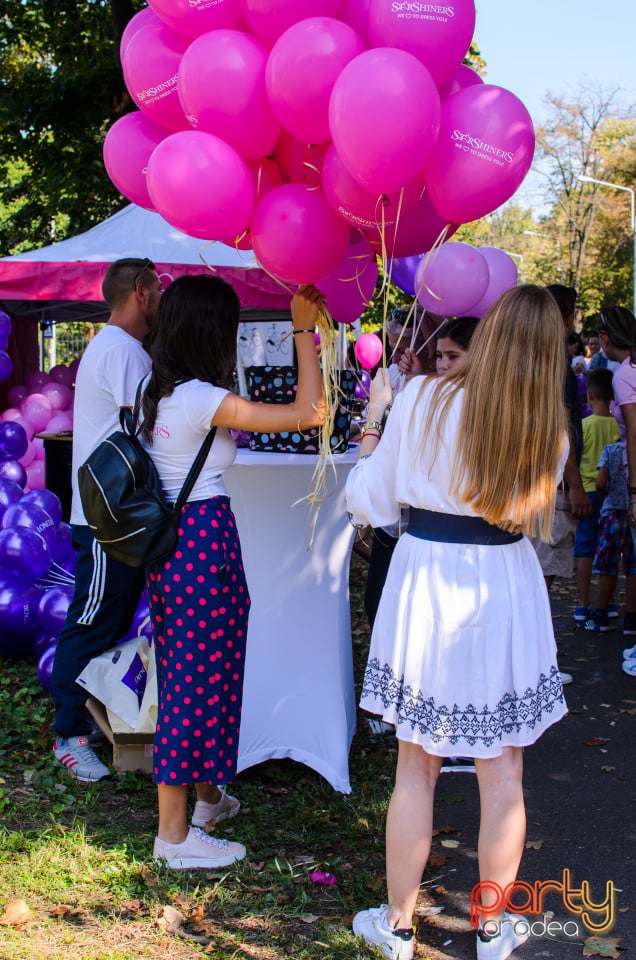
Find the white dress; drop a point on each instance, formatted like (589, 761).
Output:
(463, 656)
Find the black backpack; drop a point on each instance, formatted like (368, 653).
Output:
(122, 496)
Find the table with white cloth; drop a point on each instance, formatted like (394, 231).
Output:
(299, 699)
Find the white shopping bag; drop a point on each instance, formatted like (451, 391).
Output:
(124, 679)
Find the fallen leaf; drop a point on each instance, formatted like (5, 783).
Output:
(445, 830)
(608, 769)
(16, 914)
(596, 742)
(534, 844)
(363, 822)
(602, 947)
(257, 867)
(437, 860)
(428, 911)
(450, 843)
(171, 919)
(309, 918)
(276, 791)
(60, 911)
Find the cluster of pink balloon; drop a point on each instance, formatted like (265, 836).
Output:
(318, 133)
(459, 280)
(43, 404)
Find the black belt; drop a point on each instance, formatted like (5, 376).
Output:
(453, 528)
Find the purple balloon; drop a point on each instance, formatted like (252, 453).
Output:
(47, 501)
(18, 616)
(70, 563)
(10, 493)
(16, 394)
(63, 542)
(42, 642)
(33, 517)
(53, 607)
(24, 553)
(6, 363)
(45, 667)
(502, 276)
(402, 271)
(13, 438)
(362, 385)
(13, 470)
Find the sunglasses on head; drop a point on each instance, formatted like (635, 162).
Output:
(137, 279)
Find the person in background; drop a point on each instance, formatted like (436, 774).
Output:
(617, 333)
(600, 358)
(615, 539)
(106, 592)
(599, 429)
(452, 343)
(198, 596)
(593, 346)
(556, 556)
(478, 468)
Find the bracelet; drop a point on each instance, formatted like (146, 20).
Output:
(306, 330)
(373, 425)
(369, 433)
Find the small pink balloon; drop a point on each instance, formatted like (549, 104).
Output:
(296, 236)
(29, 429)
(393, 84)
(60, 422)
(35, 475)
(151, 67)
(193, 19)
(201, 185)
(38, 446)
(265, 176)
(368, 350)
(348, 289)
(222, 91)
(461, 77)
(11, 413)
(438, 35)
(451, 279)
(360, 207)
(300, 162)
(127, 148)
(302, 68)
(58, 394)
(62, 374)
(482, 154)
(37, 409)
(268, 19)
(502, 272)
(28, 458)
(16, 394)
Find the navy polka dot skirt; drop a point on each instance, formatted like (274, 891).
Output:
(199, 605)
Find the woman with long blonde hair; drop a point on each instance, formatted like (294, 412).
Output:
(463, 657)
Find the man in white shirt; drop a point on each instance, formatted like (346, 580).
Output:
(107, 593)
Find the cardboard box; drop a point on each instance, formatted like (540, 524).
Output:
(131, 751)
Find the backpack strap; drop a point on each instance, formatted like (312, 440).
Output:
(195, 469)
(129, 419)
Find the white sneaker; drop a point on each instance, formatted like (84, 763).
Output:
(373, 926)
(629, 667)
(198, 850)
(224, 809)
(565, 678)
(630, 653)
(79, 758)
(497, 939)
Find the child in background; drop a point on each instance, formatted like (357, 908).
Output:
(615, 538)
(599, 429)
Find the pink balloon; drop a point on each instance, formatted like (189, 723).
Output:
(222, 91)
(151, 66)
(302, 68)
(368, 350)
(59, 422)
(62, 374)
(356, 14)
(300, 162)
(35, 476)
(484, 150)
(17, 393)
(194, 19)
(27, 458)
(348, 289)
(438, 35)
(127, 148)
(461, 77)
(143, 16)
(295, 234)
(389, 84)
(38, 446)
(358, 206)
(265, 176)
(58, 395)
(451, 279)
(11, 413)
(201, 185)
(502, 272)
(268, 19)
(29, 429)
(416, 231)
(37, 409)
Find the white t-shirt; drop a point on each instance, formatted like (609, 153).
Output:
(111, 367)
(183, 420)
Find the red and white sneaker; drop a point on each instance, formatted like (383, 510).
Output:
(79, 758)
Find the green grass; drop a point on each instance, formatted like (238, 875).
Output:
(80, 856)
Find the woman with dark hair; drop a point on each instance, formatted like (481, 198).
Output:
(198, 596)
